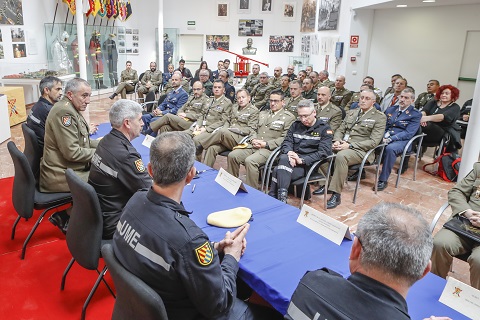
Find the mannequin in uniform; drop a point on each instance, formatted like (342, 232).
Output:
(95, 51)
(60, 58)
(110, 48)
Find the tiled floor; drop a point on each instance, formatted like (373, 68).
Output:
(426, 194)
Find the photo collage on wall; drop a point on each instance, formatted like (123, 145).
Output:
(18, 43)
(281, 44)
(128, 40)
(11, 12)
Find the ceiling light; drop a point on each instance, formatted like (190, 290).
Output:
(401, 5)
(427, 1)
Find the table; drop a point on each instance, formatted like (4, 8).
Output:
(280, 250)
(33, 83)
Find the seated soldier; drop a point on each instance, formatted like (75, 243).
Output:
(389, 254)
(117, 170)
(464, 198)
(308, 140)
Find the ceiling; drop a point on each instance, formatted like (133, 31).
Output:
(412, 3)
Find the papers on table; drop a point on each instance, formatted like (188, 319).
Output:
(148, 141)
(229, 182)
(322, 224)
(461, 297)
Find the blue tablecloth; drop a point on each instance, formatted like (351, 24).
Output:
(279, 249)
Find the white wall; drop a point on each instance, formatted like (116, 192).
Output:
(421, 44)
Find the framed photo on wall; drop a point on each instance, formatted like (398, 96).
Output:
(222, 10)
(280, 44)
(328, 13)
(244, 6)
(213, 42)
(309, 10)
(250, 28)
(266, 6)
(289, 11)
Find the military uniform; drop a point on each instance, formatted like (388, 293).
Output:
(242, 122)
(230, 92)
(252, 80)
(364, 132)
(330, 114)
(260, 94)
(174, 101)
(286, 92)
(292, 103)
(67, 145)
(215, 114)
(340, 97)
(276, 82)
(117, 172)
(356, 98)
(272, 128)
(400, 128)
(310, 143)
(325, 294)
(124, 84)
(37, 118)
(193, 109)
(422, 100)
(160, 244)
(447, 244)
(154, 77)
(208, 88)
(326, 83)
(310, 95)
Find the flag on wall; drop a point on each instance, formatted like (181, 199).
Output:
(86, 7)
(96, 7)
(109, 8)
(102, 10)
(129, 10)
(123, 10)
(71, 5)
(92, 7)
(117, 9)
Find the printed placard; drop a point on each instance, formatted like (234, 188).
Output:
(461, 297)
(230, 183)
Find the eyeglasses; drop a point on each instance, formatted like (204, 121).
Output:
(301, 116)
(274, 101)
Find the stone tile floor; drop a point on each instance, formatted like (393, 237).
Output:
(426, 194)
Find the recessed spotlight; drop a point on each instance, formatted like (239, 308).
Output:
(401, 5)
(427, 1)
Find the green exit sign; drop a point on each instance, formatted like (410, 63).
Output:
(191, 23)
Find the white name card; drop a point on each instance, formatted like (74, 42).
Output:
(461, 297)
(230, 183)
(148, 141)
(322, 224)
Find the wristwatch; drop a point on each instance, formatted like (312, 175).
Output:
(350, 146)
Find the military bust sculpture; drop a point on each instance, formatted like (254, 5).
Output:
(249, 50)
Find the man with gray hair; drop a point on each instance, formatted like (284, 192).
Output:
(117, 170)
(51, 91)
(323, 80)
(391, 251)
(194, 277)
(261, 91)
(307, 141)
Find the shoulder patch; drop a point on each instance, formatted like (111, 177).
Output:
(232, 94)
(139, 165)
(204, 254)
(67, 121)
(329, 131)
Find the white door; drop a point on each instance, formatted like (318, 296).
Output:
(191, 50)
(469, 68)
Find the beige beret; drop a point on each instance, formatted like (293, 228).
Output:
(231, 218)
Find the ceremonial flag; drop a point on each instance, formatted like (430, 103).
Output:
(109, 8)
(117, 9)
(71, 6)
(123, 11)
(86, 7)
(96, 7)
(129, 10)
(92, 7)
(102, 11)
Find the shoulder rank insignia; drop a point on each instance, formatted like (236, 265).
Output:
(329, 131)
(204, 254)
(67, 121)
(139, 165)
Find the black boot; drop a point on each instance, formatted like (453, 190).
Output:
(282, 195)
(102, 86)
(97, 84)
(60, 219)
(113, 96)
(334, 201)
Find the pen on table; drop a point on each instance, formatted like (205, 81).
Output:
(193, 188)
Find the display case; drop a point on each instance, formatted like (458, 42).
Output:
(106, 51)
(300, 63)
(170, 48)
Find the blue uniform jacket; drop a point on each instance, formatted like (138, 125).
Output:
(404, 126)
(174, 101)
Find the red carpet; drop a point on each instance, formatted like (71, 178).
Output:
(30, 288)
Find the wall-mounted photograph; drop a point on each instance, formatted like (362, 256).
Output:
(309, 9)
(222, 10)
(213, 42)
(11, 12)
(2, 55)
(18, 35)
(19, 50)
(328, 13)
(250, 28)
(280, 44)
(289, 11)
(266, 6)
(244, 6)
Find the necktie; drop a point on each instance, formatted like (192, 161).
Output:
(394, 99)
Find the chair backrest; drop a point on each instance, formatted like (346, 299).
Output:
(32, 151)
(84, 235)
(135, 299)
(23, 193)
(438, 215)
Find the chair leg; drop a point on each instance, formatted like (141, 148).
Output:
(40, 218)
(105, 282)
(92, 292)
(64, 277)
(14, 227)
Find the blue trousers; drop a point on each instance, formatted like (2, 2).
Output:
(390, 154)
